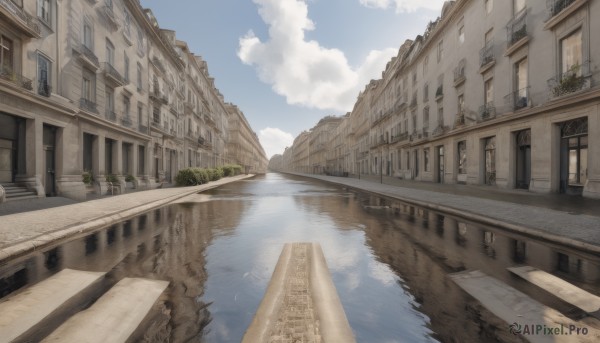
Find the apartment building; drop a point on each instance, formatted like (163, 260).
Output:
(96, 88)
(243, 146)
(503, 93)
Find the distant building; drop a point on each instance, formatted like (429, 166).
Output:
(97, 91)
(503, 93)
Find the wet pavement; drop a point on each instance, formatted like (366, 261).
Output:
(27, 231)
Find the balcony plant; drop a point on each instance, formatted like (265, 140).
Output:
(130, 178)
(570, 81)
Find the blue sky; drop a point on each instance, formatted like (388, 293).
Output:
(288, 63)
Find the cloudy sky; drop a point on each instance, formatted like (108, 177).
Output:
(288, 63)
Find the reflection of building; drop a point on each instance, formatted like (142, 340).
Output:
(99, 87)
(494, 92)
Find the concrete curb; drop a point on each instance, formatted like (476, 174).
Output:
(478, 218)
(47, 239)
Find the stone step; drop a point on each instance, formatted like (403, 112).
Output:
(29, 195)
(560, 288)
(18, 193)
(522, 314)
(115, 316)
(14, 189)
(38, 309)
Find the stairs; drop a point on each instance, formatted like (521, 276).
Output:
(15, 192)
(51, 310)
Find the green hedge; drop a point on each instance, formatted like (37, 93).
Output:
(199, 176)
(232, 169)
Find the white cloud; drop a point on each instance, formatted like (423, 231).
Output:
(302, 70)
(404, 6)
(274, 140)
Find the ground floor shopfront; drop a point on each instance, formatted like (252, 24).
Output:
(550, 151)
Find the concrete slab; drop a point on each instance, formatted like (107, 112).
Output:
(568, 292)
(301, 303)
(521, 313)
(115, 316)
(27, 313)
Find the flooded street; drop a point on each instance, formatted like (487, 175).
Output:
(389, 261)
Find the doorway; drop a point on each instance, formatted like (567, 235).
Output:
(490, 161)
(523, 165)
(440, 163)
(49, 139)
(573, 157)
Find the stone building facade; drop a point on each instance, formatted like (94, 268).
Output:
(243, 146)
(503, 93)
(97, 88)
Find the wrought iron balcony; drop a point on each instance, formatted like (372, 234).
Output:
(518, 99)
(516, 29)
(111, 115)
(439, 129)
(112, 74)
(157, 62)
(486, 54)
(459, 72)
(108, 12)
(126, 121)
(88, 56)
(460, 119)
(20, 19)
(487, 111)
(576, 79)
(556, 6)
(88, 105)
(44, 88)
(8, 74)
(143, 128)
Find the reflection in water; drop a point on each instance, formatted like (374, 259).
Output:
(389, 261)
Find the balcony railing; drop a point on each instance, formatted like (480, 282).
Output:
(111, 115)
(110, 15)
(8, 74)
(44, 88)
(21, 19)
(486, 54)
(517, 28)
(439, 129)
(158, 64)
(459, 72)
(88, 105)
(143, 128)
(556, 6)
(126, 121)
(460, 120)
(574, 80)
(89, 55)
(487, 111)
(113, 74)
(518, 99)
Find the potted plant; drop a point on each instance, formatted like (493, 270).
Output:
(87, 177)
